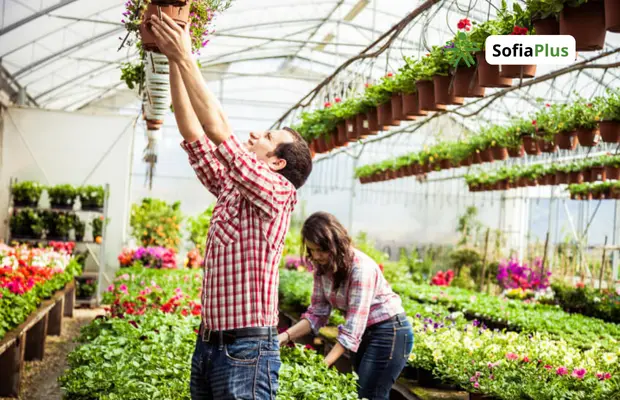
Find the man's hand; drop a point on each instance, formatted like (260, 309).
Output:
(172, 40)
(283, 338)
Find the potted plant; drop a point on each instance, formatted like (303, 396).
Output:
(91, 197)
(513, 140)
(404, 84)
(26, 194)
(517, 22)
(585, 21)
(612, 167)
(561, 174)
(575, 172)
(80, 228)
(488, 75)
(612, 16)
(62, 196)
(85, 288)
(608, 112)
(442, 77)
(133, 75)
(460, 53)
(425, 70)
(583, 116)
(26, 224)
(546, 128)
(482, 145)
(501, 141)
(544, 15)
(379, 97)
(597, 169)
(615, 190)
(57, 224)
(97, 226)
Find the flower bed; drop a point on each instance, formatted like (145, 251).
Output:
(591, 302)
(27, 277)
(148, 257)
(146, 353)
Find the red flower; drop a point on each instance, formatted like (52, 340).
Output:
(517, 30)
(464, 24)
(337, 100)
(367, 85)
(389, 75)
(184, 312)
(526, 359)
(534, 122)
(547, 105)
(328, 104)
(580, 285)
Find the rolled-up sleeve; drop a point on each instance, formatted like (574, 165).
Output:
(268, 191)
(319, 311)
(207, 167)
(361, 293)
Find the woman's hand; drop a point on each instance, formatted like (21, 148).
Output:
(172, 40)
(283, 338)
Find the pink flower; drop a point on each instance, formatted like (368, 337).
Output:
(512, 356)
(603, 376)
(548, 367)
(526, 359)
(476, 385)
(111, 288)
(579, 373)
(561, 371)
(123, 288)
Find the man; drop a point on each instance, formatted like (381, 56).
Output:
(237, 352)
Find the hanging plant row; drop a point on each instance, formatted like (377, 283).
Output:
(444, 77)
(597, 169)
(558, 126)
(595, 191)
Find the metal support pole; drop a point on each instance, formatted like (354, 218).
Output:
(615, 257)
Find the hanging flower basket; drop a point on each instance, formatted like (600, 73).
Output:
(587, 137)
(361, 121)
(373, 121)
(384, 115)
(517, 71)
(586, 24)
(411, 106)
(530, 145)
(566, 140)
(499, 153)
(488, 75)
(486, 155)
(598, 173)
(547, 26)
(575, 177)
(518, 152)
(397, 107)
(466, 83)
(467, 161)
(546, 147)
(612, 15)
(179, 14)
(352, 132)
(612, 173)
(561, 178)
(610, 131)
(426, 96)
(443, 93)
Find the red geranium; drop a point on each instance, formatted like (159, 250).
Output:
(464, 24)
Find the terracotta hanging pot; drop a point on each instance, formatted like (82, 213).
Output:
(426, 96)
(397, 108)
(566, 140)
(547, 26)
(546, 147)
(352, 132)
(411, 106)
(318, 145)
(179, 14)
(476, 159)
(612, 173)
(612, 15)
(341, 134)
(610, 131)
(384, 115)
(325, 143)
(466, 83)
(516, 153)
(561, 178)
(615, 192)
(445, 164)
(361, 121)
(598, 174)
(467, 161)
(499, 153)
(515, 71)
(373, 122)
(575, 177)
(530, 145)
(587, 137)
(586, 24)
(443, 93)
(154, 124)
(488, 75)
(486, 155)
(587, 174)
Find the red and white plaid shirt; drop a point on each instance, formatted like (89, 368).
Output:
(365, 297)
(246, 235)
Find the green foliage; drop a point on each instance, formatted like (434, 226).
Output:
(602, 304)
(367, 246)
(58, 224)
(459, 52)
(541, 9)
(155, 222)
(608, 107)
(91, 196)
(133, 75)
(468, 225)
(27, 223)
(27, 193)
(62, 195)
(198, 228)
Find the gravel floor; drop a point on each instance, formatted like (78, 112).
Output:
(40, 379)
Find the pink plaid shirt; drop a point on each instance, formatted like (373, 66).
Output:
(246, 236)
(365, 297)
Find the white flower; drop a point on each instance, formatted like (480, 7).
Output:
(610, 358)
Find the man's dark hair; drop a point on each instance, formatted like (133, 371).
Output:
(298, 159)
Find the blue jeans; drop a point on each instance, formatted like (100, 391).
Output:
(381, 357)
(248, 369)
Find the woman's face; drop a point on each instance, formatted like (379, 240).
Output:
(317, 254)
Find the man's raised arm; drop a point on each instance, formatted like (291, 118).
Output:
(175, 43)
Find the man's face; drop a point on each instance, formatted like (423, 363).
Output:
(264, 145)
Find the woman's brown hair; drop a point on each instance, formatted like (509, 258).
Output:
(324, 230)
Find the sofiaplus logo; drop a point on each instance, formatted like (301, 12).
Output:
(530, 50)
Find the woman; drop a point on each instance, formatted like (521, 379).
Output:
(376, 327)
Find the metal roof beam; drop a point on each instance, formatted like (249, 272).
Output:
(67, 50)
(36, 15)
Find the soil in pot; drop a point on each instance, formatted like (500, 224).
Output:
(179, 14)
(517, 71)
(411, 106)
(488, 75)
(466, 83)
(426, 96)
(373, 121)
(587, 137)
(397, 108)
(566, 140)
(384, 115)
(610, 131)
(612, 15)
(586, 24)
(499, 153)
(444, 94)
(516, 153)
(530, 145)
(547, 26)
